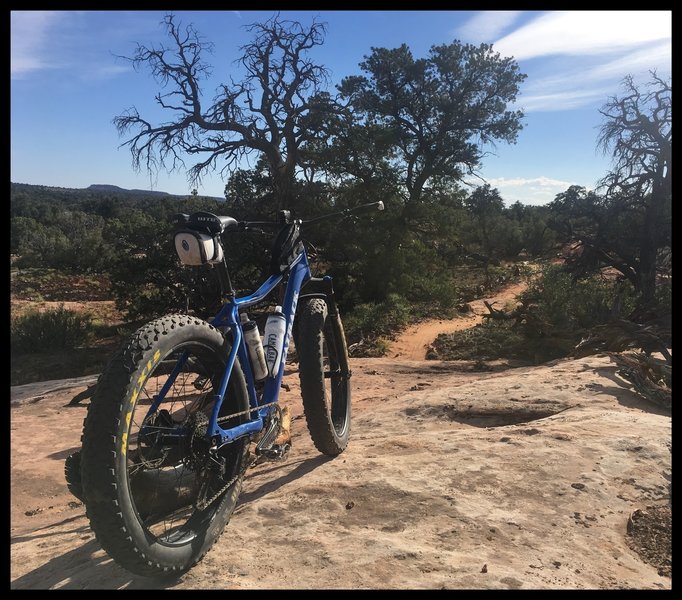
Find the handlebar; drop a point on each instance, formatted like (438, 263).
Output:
(347, 213)
(217, 224)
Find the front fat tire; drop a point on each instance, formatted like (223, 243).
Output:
(328, 414)
(108, 497)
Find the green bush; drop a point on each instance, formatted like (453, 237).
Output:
(564, 304)
(493, 340)
(59, 329)
(559, 312)
(373, 321)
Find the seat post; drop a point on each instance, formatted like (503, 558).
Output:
(226, 289)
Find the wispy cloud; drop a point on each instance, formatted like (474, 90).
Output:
(585, 32)
(29, 35)
(588, 54)
(563, 100)
(541, 181)
(61, 40)
(577, 86)
(487, 25)
(656, 55)
(532, 190)
(99, 72)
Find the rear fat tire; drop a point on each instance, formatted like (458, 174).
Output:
(105, 481)
(328, 413)
(72, 474)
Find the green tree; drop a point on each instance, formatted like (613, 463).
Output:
(437, 113)
(485, 204)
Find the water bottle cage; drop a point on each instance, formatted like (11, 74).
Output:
(267, 349)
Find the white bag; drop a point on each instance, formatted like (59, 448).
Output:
(196, 248)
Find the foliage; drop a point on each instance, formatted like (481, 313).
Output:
(555, 313)
(370, 324)
(629, 225)
(433, 113)
(58, 329)
(560, 303)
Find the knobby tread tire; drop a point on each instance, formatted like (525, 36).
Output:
(105, 499)
(310, 333)
(72, 474)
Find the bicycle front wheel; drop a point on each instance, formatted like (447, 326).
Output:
(325, 389)
(157, 494)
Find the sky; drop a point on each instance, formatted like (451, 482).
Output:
(68, 81)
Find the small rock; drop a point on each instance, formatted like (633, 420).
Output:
(33, 512)
(505, 439)
(556, 563)
(485, 568)
(350, 505)
(578, 486)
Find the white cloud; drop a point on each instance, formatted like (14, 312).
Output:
(541, 181)
(562, 100)
(585, 32)
(657, 55)
(581, 85)
(532, 190)
(487, 25)
(42, 40)
(591, 52)
(29, 40)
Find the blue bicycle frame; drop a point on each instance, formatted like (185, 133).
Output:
(299, 273)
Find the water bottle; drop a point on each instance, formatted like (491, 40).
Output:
(275, 330)
(255, 346)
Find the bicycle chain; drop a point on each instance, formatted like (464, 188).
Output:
(245, 412)
(221, 491)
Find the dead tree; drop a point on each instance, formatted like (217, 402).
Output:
(269, 112)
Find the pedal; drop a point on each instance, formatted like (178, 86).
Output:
(276, 452)
(271, 433)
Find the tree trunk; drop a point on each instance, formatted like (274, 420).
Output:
(282, 182)
(649, 247)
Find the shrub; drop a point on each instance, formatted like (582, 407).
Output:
(559, 311)
(58, 329)
(373, 321)
(564, 304)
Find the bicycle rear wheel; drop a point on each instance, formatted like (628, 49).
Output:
(156, 493)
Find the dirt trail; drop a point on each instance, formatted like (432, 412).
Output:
(412, 343)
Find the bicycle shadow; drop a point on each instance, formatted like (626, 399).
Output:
(304, 467)
(85, 567)
(89, 567)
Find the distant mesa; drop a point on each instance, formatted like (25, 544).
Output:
(102, 188)
(106, 187)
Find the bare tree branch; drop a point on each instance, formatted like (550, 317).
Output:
(261, 114)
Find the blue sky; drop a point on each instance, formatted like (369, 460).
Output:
(67, 84)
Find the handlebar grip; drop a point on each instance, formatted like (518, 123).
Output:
(368, 207)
